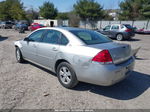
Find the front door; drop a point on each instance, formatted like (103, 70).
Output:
(106, 30)
(29, 47)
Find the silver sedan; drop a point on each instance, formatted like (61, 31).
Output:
(77, 55)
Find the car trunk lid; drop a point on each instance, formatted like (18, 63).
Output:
(119, 52)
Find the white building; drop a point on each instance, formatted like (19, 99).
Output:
(48, 22)
(52, 23)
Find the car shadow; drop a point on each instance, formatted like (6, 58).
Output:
(135, 85)
(134, 39)
(132, 87)
(129, 40)
(3, 38)
(137, 58)
(42, 68)
(143, 33)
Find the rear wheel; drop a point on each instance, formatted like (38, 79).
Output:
(66, 75)
(19, 55)
(119, 37)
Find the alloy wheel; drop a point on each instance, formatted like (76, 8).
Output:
(65, 75)
(18, 54)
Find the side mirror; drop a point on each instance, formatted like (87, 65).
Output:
(26, 39)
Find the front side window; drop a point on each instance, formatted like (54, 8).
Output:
(52, 37)
(107, 27)
(90, 37)
(41, 25)
(36, 36)
(34, 25)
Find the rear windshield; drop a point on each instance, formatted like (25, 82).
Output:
(41, 25)
(128, 26)
(90, 37)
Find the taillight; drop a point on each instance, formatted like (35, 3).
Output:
(103, 57)
(128, 30)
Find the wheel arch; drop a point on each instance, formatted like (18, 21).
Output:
(18, 44)
(119, 33)
(58, 62)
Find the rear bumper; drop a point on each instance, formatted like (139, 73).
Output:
(128, 35)
(105, 75)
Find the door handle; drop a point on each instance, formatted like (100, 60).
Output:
(54, 49)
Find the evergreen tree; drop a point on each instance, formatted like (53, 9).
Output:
(48, 11)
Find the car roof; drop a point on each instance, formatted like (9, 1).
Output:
(116, 24)
(66, 31)
(127, 24)
(70, 28)
(120, 24)
(64, 28)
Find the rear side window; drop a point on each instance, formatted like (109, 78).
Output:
(90, 37)
(122, 27)
(52, 37)
(115, 27)
(63, 40)
(36, 36)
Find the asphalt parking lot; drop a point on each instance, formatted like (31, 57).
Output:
(27, 86)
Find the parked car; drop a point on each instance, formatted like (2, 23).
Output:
(6, 24)
(143, 31)
(118, 31)
(63, 26)
(77, 55)
(21, 25)
(35, 26)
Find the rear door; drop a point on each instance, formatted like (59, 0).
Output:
(114, 30)
(49, 47)
(29, 48)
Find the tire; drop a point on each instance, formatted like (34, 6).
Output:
(129, 38)
(3, 27)
(30, 29)
(119, 37)
(19, 57)
(66, 75)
